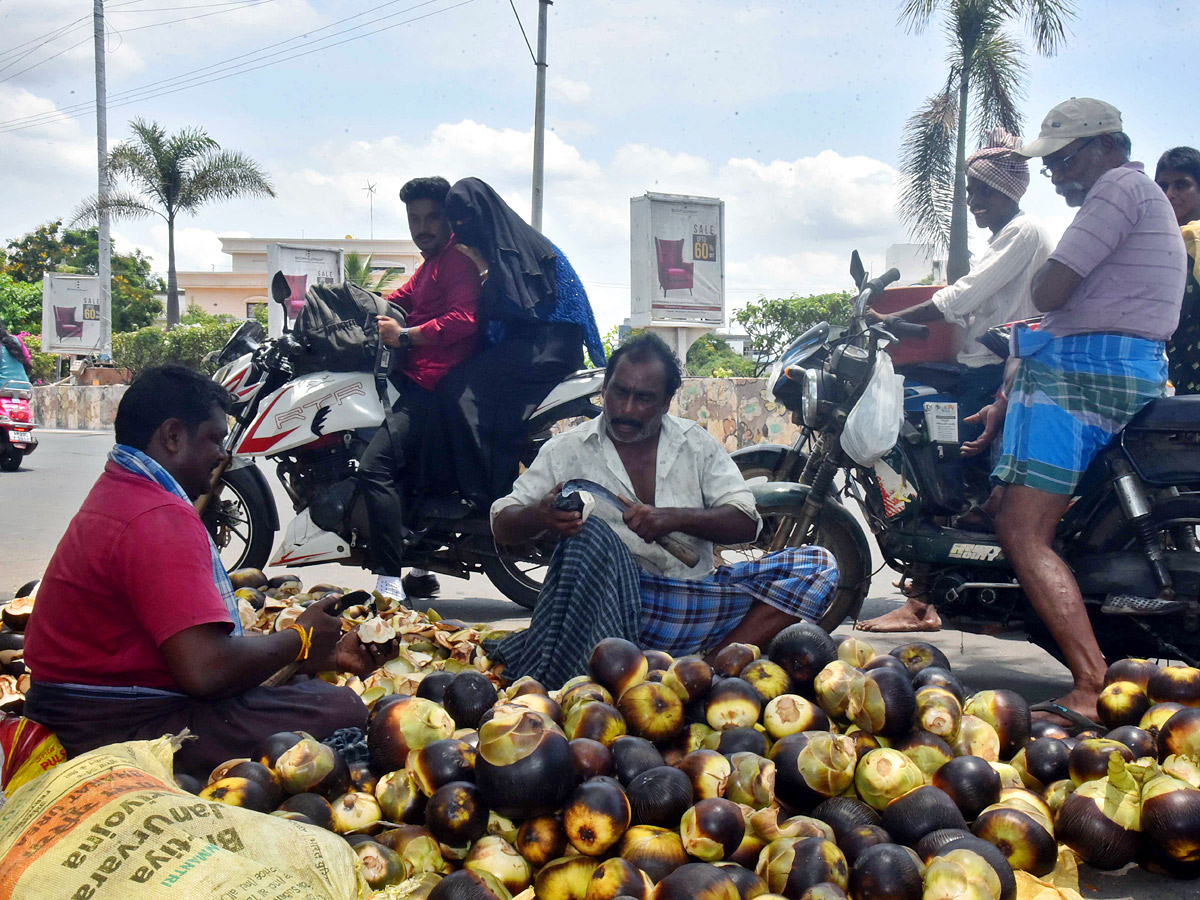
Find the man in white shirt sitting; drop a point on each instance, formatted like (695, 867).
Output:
(608, 577)
(994, 292)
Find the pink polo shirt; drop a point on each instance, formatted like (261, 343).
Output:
(1125, 243)
(133, 569)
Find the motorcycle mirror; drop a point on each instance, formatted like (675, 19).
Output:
(281, 292)
(857, 272)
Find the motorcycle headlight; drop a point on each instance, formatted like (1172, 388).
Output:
(813, 385)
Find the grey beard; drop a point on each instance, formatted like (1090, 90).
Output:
(645, 433)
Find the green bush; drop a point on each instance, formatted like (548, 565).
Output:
(184, 344)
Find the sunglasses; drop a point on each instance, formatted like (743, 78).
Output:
(1049, 170)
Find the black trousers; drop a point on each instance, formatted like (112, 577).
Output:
(391, 461)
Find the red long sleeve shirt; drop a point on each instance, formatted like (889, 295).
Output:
(443, 298)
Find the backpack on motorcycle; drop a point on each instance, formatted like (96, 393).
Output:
(336, 329)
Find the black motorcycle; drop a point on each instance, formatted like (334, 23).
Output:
(1130, 536)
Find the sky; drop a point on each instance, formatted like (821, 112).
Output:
(791, 112)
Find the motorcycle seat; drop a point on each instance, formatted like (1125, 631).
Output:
(1168, 414)
(943, 377)
(449, 506)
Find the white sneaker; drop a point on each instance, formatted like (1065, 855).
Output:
(390, 586)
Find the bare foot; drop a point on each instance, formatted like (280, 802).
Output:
(912, 616)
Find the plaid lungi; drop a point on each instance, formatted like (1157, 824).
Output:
(1069, 398)
(594, 589)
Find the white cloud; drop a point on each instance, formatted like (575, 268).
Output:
(568, 90)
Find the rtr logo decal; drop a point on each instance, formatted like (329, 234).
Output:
(983, 552)
(299, 413)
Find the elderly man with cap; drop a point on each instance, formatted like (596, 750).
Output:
(995, 291)
(1111, 292)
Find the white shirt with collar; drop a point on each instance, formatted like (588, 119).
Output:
(692, 471)
(996, 290)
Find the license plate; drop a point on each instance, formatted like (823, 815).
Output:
(20, 437)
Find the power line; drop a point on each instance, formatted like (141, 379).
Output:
(242, 4)
(48, 118)
(252, 56)
(55, 33)
(521, 25)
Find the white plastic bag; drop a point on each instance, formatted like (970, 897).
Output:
(873, 426)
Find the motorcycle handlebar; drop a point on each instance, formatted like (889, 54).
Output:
(907, 330)
(875, 285)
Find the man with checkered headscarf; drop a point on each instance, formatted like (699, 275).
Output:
(995, 291)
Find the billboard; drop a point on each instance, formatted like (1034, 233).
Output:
(677, 259)
(75, 317)
(303, 267)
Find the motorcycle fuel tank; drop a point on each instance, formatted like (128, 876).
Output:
(311, 406)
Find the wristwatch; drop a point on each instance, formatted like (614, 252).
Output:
(404, 339)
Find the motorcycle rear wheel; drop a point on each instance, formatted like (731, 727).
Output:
(518, 578)
(10, 458)
(239, 522)
(1177, 520)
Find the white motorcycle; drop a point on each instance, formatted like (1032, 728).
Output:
(315, 428)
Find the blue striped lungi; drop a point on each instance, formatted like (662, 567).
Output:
(594, 589)
(1071, 395)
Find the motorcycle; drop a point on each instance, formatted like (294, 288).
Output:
(1129, 536)
(315, 428)
(17, 439)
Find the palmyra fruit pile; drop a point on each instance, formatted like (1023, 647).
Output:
(821, 771)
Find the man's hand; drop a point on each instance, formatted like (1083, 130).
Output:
(651, 522)
(324, 618)
(352, 655)
(389, 330)
(992, 417)
(564, 522)
(871, 317)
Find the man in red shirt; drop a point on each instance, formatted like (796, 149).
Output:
(135, 632)
(440, 303)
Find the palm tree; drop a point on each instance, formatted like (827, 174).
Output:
(173, 174)
(357, 268)
(984, 84)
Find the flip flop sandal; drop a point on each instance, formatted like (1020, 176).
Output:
(1079, 722)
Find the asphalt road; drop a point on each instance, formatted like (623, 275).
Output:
(37, 502)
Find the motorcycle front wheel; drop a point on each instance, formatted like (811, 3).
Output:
(837, 532)
(240, 523)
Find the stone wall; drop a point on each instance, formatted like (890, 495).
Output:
(76, 406)
(734, 410)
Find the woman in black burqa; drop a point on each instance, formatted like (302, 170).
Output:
(536, 322)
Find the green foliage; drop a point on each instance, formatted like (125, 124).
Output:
(185, 344)
(611, 340)
(27, 258)
(357, 268)
(47, 248)
(45, 365)
(20, 304)
(983, 86)
(171, 174)
(773, 324)
(712, 356)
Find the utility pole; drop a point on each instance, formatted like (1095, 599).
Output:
(539, 116)
(102, 186)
